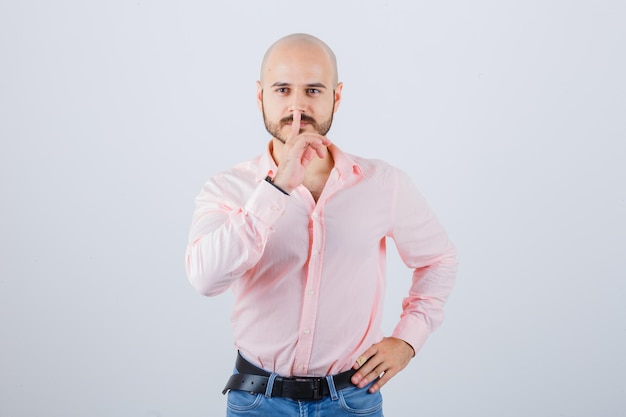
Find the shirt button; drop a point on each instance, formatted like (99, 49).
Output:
(310, 292)
(307, 331)
(315, 215)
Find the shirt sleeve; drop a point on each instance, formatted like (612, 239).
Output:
(228, 237)
(424, 246)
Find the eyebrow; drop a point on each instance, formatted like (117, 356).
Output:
(311, 85)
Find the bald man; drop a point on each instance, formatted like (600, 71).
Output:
(299, 236)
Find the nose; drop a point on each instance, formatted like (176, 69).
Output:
(297, 103)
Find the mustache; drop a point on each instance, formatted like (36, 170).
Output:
(303, 118)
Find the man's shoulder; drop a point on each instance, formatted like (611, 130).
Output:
(239, 169)
(242, 174)
(381, 172)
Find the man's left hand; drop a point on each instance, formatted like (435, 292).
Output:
(386, 358)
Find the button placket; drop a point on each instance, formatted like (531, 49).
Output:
(310, 303)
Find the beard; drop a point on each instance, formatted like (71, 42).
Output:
(274, 129)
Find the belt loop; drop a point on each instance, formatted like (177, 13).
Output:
(270, 385)
(331, 387)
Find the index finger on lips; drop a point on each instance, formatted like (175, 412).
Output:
(295, 124)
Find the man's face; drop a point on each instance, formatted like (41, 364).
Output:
(298, 78)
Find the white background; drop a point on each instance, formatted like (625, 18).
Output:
(510, 117)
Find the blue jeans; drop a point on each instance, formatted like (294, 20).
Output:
(351, 401)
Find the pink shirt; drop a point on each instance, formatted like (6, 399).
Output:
(309, 278)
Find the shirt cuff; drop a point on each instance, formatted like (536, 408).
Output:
(412, 330)
(267, 203)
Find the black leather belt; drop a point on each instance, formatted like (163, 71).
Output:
(251, 378)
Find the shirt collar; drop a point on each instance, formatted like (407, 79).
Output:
(345, 164)
(266, 165)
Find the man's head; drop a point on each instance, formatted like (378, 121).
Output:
(298, 73)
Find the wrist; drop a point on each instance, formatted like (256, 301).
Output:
(269, 179)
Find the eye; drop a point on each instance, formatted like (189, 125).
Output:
(282, 90)
(313, 91)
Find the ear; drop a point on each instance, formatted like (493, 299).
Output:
(259, 95)
(337, 97)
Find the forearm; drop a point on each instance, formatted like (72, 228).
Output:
(227, 238)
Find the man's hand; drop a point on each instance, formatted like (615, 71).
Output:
(386, 358)
(297, 153)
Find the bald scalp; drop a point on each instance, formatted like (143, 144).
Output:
(300, 40)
